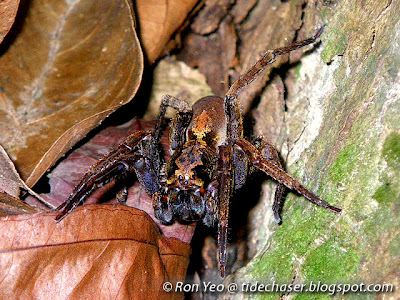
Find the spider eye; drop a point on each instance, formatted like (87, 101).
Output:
(180, 177)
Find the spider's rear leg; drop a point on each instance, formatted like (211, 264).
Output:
(280, 175)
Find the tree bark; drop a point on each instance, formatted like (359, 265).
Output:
(335, 119)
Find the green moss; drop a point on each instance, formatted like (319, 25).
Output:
(293, 241)
(394, 246)
(297, 71)
(344, 164)
(335, 45)
(385, 193)
(389, 190)
(329, 263)
(391, 150)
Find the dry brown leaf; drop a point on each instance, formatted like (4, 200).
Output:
(158, 20)
(8, 11)
(10, 205)
(106, 252)
(9, 179)
(10, 184)
(70, 66)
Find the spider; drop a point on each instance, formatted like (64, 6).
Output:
(210, 159)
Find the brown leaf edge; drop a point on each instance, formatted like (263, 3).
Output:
(9, 176)
(73, 135)
(8, 12)
(81, 258)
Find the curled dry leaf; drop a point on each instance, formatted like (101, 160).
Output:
(10, 184)
(71, 64)
(8, 11)
(10, 205)
(107, 252)
(158, 20)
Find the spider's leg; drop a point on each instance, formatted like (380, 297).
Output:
(234, 119)
(211, 214)
(183, 116)
(280, 175)
(225, 190)
(116, 163)
(264, 61)
(269, 152)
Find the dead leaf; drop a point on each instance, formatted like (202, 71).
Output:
(8, 11)
(158, 21)
(10, 184)
(70, 66)
(9, 179)
(107, 252)
(10, 205)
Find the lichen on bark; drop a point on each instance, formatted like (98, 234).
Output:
(350, 158)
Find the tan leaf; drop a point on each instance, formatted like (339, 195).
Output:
(158, 20)
(10, 205)
(10, 184)
(81, 258)
(70, 66)
(8, 11)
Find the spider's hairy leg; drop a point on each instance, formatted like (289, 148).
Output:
(225, 190)
(182, 119)
(268, 58)
(116, 163)
(269, 152)
(280, 175)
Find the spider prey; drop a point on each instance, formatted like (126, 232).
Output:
(210, 159)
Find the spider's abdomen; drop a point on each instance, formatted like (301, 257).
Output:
(208, 122)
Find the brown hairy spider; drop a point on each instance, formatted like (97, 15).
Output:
(210, 159)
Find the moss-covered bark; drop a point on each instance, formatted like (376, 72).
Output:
(342, 140)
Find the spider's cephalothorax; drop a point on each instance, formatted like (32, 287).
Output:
(210, 159)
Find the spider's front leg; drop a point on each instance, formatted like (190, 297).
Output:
(122, 160)
(269, 153)
(223, 194)
(276, 172)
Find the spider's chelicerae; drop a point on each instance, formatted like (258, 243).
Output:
(210, 160)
